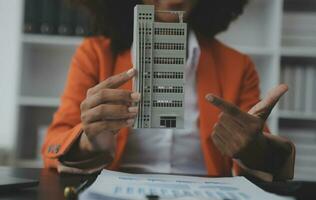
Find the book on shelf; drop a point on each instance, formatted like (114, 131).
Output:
(284, 97)
(299, 88)
(304, 139)
(32, 16)
(66, 18)
(301, 80)
(300, 5)
(310, 88)
(56, 17)
(82, 22)
(299, 29)
(288, 103)
(49, 16)
(314, 91)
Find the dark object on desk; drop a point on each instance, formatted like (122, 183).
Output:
(152, 197)
(301, 190)
(71, 193)
(8, 183)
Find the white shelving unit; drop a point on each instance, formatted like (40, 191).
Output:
(10, 23)
(299, 51)
(44, 68)
(296, 115)
(258, 33)
(51, 40)
(39, 101)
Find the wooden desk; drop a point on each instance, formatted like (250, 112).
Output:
(52, 185)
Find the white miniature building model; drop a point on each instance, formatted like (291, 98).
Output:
(160, 58)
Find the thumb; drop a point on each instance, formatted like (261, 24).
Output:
(265, 106)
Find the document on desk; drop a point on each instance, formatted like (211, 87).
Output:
(120, 186)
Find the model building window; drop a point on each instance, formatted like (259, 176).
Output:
(147, 89)
(146, 118)
(147, 103)
(169, 46)
(168, 61)
(168, 122)
(147, 60)
(168, 89)
(168, 75)
(147, 74)
(145, 16)
(143, 30)
(166, 103)
(169, 31)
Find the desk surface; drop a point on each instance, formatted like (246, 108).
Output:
(52, 185)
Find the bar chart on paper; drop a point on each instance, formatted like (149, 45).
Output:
(117, 185)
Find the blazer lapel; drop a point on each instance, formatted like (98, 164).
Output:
(208, 81)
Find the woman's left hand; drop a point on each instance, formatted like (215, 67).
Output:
(236, 130)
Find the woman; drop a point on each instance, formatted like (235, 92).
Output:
(91, 129)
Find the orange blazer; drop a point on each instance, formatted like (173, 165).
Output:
(221, 71)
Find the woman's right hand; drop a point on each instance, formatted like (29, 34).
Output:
(105, 111)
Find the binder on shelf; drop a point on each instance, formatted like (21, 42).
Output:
(310, 89)
(49, 16)
(314, 90)
(32, 16)
(66, 18)
(304, 139)
(300, 6)
(83, 25)
(289, 80)
(299, 77)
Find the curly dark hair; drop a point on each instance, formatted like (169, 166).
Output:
(114, 18)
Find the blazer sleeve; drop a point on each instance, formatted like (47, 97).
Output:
(66, 125)
(250, 96)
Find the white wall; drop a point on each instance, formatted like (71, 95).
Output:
(10, 33)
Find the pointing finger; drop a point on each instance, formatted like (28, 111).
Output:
(226, 107)
(265, 106)
(115, 81)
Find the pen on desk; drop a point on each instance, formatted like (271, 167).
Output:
(157, 197)
(71, 193)
(152, 197)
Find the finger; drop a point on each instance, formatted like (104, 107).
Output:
(265, 106)
(99, 127)
(109, 112)
(226, 138)
(232, 125)
(233, 138)
(114, 81)
(223, 133)
(226, 107)
(218, 143)
(110, 95)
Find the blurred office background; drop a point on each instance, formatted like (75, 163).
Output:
(39, 37)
